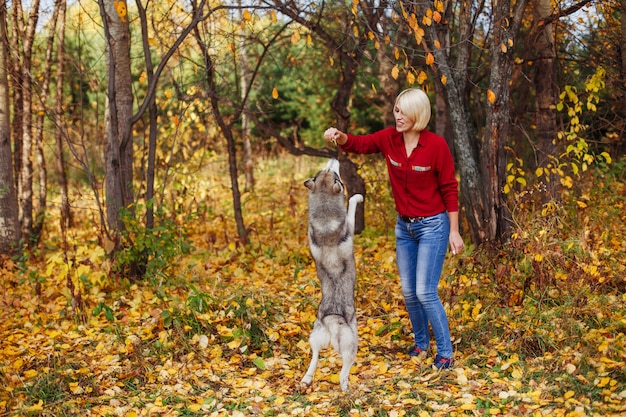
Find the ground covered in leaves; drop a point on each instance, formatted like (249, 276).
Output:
(538, 324)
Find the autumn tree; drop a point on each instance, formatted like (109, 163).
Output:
(119, 111)
(345, 31)
(22, 39)
(10, 228)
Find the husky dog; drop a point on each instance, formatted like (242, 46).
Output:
(331, 234)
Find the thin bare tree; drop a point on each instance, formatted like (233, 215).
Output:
(9, 222)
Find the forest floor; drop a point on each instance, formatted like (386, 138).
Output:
(216, 329)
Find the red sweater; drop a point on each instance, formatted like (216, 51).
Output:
(422, 184)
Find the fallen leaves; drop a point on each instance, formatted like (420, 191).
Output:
(230, 335)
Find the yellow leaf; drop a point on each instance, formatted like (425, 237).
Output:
(430, 59)
(421, 77)
(382, 368)
(373, 88)
(461, 378)
(539, 172)
(419, 35)
(355, 30)
(194, 408)
(567, 182)
(309, 40)
(275, 93)
(437, 44)
(31, 373)
(568, 394)
(503, 48)
(538, 257)
(444, 79)
(247, 16)
(491, 96)
(395, 71)
(36, 407)
(302, 345)
(437, 17)
(410, 77)
(295, 37)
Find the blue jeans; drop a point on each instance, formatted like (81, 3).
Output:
(420, 250)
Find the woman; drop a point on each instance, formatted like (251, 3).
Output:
(425, 191)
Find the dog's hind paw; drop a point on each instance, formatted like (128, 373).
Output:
(303, 387)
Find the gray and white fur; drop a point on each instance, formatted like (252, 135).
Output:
(331, 235)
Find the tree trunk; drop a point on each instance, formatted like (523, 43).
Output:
(546, 98)
(623, 52)
(9, 221)
(472, 196)
(152, 115)
(25, 181)
(39, 125)
(483, 171)
(66, 216)
(347, 168)
(244, 84)
(118, 115)
(493, 156)
(15, 65)
(242, 232)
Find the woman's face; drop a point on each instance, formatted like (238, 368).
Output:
(403, 123)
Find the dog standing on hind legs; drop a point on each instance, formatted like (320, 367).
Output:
(331, 237)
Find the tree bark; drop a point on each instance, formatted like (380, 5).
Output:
(226, 130)
(66, 215)
(482, 167)
(244, 85)
(546, 98)
(25, 180)
(152, 116)
(39, 125)
(623, 51)
(118, 115)
(10, 234)
(349, 46)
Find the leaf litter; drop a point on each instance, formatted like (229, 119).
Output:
(227, 332)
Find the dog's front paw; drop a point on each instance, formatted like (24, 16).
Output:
(357, 198)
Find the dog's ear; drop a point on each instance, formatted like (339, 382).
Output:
(309, 183)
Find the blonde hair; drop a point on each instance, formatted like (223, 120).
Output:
(415, 105)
